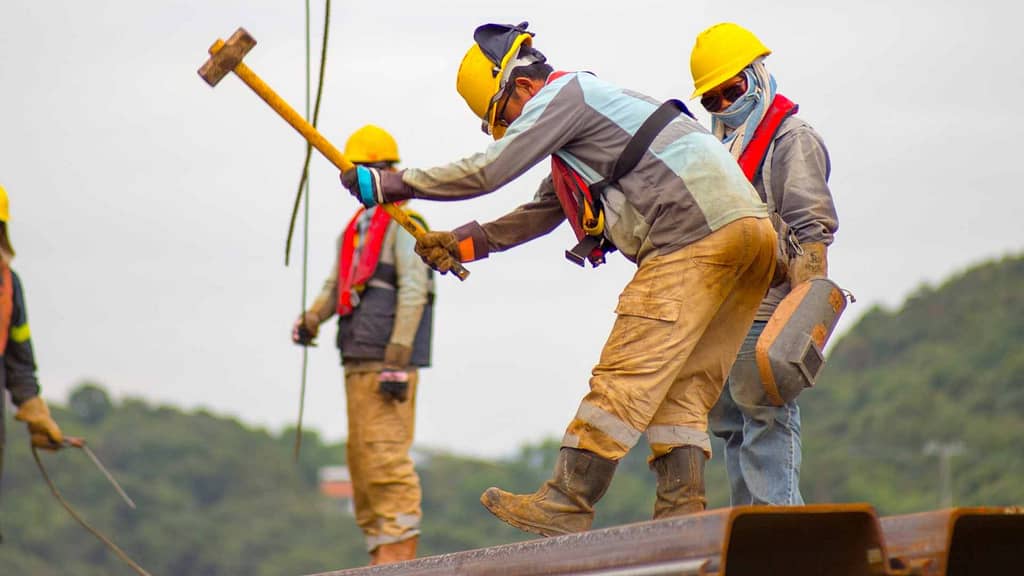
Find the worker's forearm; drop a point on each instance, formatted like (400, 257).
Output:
(407, 322)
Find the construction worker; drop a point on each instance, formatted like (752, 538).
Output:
(383, 295)
(19, 364)
(789, 166)
(676, 205)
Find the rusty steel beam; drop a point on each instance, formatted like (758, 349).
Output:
(957, 541)
(838, 540)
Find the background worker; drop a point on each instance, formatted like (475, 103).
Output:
(789, 166)
(685, 214)
(383, 295)
(19, 363)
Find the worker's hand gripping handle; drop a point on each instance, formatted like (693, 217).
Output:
(238, 45)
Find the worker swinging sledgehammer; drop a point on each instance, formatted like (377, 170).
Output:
(657, 187)
(226, 57)
(383, 295)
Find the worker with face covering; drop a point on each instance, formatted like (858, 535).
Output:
(789, 166)
(632, 174)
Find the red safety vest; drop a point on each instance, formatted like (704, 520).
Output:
(355, 274)
(753, 155)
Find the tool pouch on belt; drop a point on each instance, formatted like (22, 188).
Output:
(789, 351)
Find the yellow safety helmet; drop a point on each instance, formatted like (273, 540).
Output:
(371, 144)
(5, 212)
(720, 53)
(485, 69)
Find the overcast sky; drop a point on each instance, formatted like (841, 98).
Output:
(149, 211)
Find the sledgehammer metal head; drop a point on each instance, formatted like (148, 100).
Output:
(225, 56)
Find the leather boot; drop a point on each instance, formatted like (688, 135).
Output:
(395, 551)
(680, 482)
(564, 504)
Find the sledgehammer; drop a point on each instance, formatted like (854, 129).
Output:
(227, 57)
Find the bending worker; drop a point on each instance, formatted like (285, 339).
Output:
(789, 166)
(19, 364)
(683, 212)
(382, 293)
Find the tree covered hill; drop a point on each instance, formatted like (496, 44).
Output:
(216, 497)
(945, 370)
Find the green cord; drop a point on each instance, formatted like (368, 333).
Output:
(304, 185)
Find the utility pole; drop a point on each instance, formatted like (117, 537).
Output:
(945, 451)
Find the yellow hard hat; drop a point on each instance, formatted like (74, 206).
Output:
(486, 67)
(720, 53)
(371, 144)
(5, 213)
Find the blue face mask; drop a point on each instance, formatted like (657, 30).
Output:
(736, 114)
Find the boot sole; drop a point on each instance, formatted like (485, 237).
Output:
(485, 499)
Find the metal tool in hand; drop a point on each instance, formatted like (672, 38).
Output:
(227, 57)
(73, 442)
(80, 443)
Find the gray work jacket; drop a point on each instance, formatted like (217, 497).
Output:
(796, 170)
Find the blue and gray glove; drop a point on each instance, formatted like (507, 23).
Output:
(372, 186)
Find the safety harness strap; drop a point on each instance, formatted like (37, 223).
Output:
(640, 143)
(593, 245)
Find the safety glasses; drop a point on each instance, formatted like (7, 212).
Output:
(715, 100)
(503, 97)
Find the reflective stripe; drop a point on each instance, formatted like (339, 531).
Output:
(570, 441)
(610, 424)
(21, 333)
(372, 542)
(679, 436)
(408, 520)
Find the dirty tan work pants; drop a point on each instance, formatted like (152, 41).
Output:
(380, 432)
(681, 320)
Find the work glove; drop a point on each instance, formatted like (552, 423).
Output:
(372, 186)
(439, 250)
(44, 431)
(305, 329)
(393, 383)
(810, 263)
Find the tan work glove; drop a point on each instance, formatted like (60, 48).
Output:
(439, 250)
(305, 329)
(812, 263)
(393, 382)
(44, 431)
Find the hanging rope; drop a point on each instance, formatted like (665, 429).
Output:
(99, 535)
(316, 116)
(304, 186)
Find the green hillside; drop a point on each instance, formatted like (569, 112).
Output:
(946, 368)
(216, 497)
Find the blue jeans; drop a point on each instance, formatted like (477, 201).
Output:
(762, 442)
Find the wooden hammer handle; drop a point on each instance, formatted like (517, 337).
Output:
(314, 137)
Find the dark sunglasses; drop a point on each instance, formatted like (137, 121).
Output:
(714, 101)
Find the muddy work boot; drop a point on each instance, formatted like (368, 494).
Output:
(680, 482)
(564, 504)
(395, 552)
